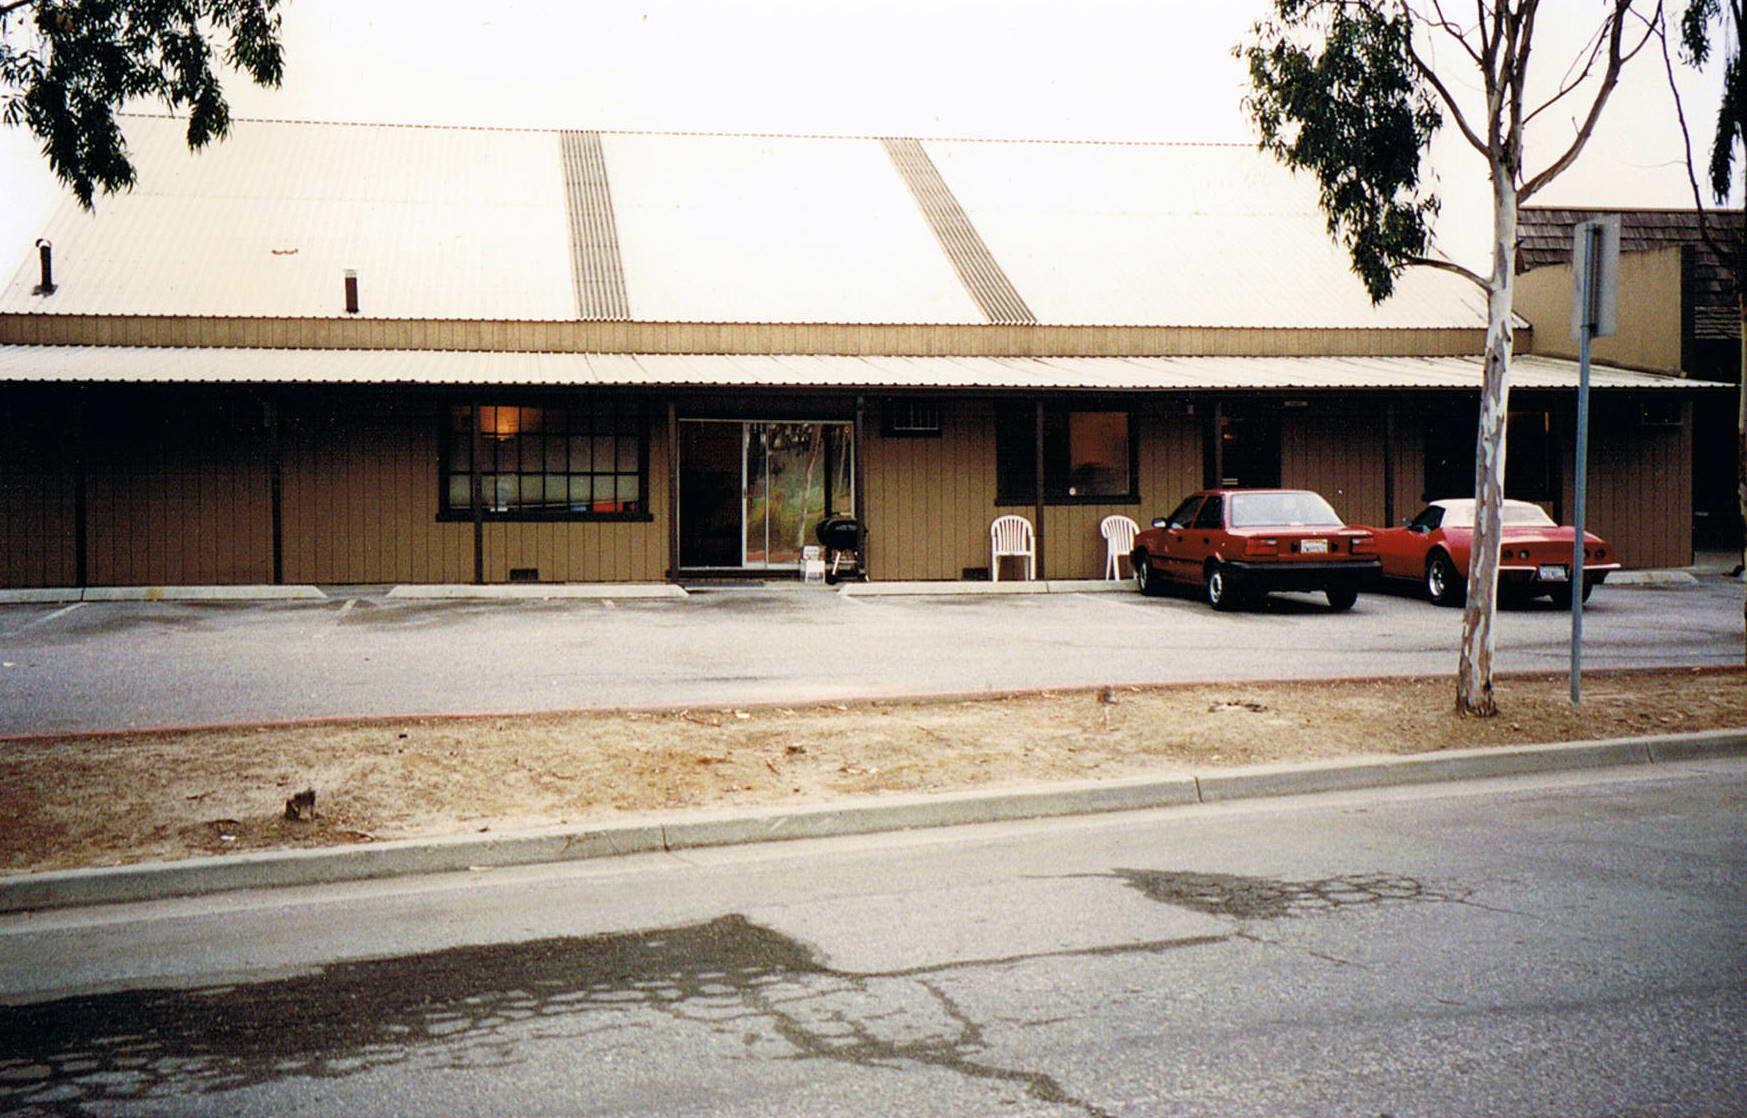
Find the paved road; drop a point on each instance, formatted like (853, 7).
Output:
(117, 665)
(1567, 945)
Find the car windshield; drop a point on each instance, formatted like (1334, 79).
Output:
(1259, 510)
(1515, 514)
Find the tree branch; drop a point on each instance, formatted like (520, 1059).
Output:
(1452, 267)
(1616, 59)
(1449, 27)
(1431, 78)
(1583, 72)
(1704, 226)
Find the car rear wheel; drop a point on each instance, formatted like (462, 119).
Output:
(1146, 580)
(1443, 584)
(1341, 596)
(1561, 595)
(1223, 592)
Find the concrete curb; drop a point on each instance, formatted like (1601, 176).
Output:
(1049, 586)
(273, 869)
(513, 591)
(535, 590)
(162, 594)
(1651, 578)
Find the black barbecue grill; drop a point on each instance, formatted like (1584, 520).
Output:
(842, 537)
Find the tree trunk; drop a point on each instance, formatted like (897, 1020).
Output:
(1474, 673)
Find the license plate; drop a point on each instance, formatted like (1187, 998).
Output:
(1552, 572)
(1313, 547)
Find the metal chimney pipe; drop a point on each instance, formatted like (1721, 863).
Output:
(351, 291)
(45, 255)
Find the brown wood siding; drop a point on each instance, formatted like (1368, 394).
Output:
(1410, 463)
(920, 340)
(179, 489)
(588, 551)
(930, 501)
(37, 500)
(1337, 450)
(1640, 486)
(360, 494)
(362, 500)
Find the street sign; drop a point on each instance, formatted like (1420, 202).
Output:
(1595, 276)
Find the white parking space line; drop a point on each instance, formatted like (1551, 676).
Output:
(45, 619)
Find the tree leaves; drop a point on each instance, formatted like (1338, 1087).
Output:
(68, 66)
(1351, 110)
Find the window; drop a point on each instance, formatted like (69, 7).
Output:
(1185, 513)
(911, 419)
(1212, 514)
(1087, 455)
(1429, 518)
(1530, 472)
(1531, 464)
(547, 462)
(1284, 510)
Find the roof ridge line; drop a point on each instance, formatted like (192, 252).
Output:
(724, 134)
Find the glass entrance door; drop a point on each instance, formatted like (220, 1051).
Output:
(751, 494)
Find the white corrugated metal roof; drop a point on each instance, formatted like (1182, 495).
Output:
(1176, 235)
(438, 223)
(774, 229)
(26, 364)
(445, 223)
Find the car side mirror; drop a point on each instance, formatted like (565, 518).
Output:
(1161, 522)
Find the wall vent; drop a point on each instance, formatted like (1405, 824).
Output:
(524, 574)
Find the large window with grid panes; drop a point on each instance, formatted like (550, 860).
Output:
(547, 461)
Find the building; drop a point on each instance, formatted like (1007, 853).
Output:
(1679, 315)
(336, 354)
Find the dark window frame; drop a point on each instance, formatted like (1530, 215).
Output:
(629, 420)
(1210, 517)
(1017, 486)
(890, 428)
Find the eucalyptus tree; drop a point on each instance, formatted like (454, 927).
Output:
(1353, 91)
(68, 66)
(1696, 25)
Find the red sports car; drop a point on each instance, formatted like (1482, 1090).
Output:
(1535, 559)
(1236, 543)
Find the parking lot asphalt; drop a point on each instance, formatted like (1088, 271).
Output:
(369, 651)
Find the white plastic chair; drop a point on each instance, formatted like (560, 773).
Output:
(1118, 533)
(1012, 535)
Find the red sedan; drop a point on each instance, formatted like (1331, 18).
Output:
(1236, 543)
(1535, 560)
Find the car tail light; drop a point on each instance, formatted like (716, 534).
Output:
(1255, 546)
(1364, 545)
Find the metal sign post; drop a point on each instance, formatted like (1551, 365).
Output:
(1595, 268)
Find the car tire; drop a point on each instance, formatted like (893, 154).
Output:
(1561, 595)
(1223, 592)
(1443, 583)
(1341, 595)
(1146, 580)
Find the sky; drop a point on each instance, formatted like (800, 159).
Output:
(1121, 70)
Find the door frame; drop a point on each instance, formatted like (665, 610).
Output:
(853, 476)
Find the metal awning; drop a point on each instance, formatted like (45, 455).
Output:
(216, 366)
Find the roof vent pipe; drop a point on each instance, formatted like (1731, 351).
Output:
(351, 291)
(45, 254)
